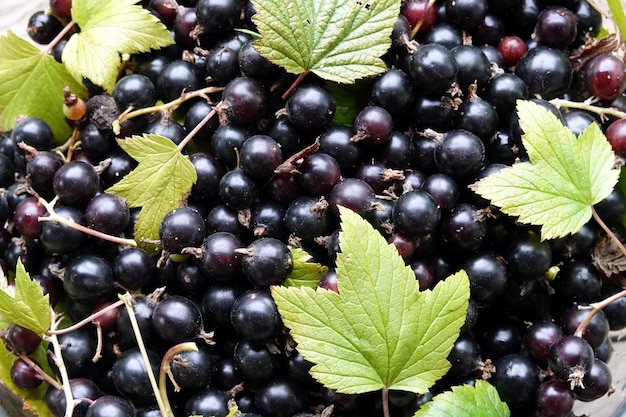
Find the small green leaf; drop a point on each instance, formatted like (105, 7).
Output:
(108, 29)
(304, 273)
(338, 40)
(466, 401)
(158, 184)
(28, 306)
(380, 330)
(24, 69)
(33, 400)
(564, 178)
(350, 100)
(617, 13)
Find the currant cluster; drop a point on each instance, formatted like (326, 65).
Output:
(272, 168)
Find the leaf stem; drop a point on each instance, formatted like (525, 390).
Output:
(386, 402)
(595, 308)
(169, 105)
(42, 374)
(54, 217)
(60, 36)
(419, 24)
(58, 359)
(165, 410)
(607, 230)
(89, 319)
(165, 369)
(295, 84)
(68, 145)
(195, 130)
(602, 111)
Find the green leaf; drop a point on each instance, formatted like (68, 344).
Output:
(564, 178)
(28, 306)
(338, 40)
(24, 69)
(350, 100)
(617, 13)
(33, 400)
(466, 401)
(380, 330)
(158, 184)
(304, 273)
(108, 29)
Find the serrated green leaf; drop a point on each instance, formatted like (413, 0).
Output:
(33, 401)
(108, 29)
(380, 330)
(617, 13)
(564, 178)
(157, 185)
(338, 40)
(304, 273)
(466, 401)
(24, 69)
(28, 306)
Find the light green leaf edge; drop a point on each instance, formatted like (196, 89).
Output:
(109, 29)
(564, 178)
(616, 7)
(304, 273)
(352, 354)
(158, 184)
(466, 401)
(338, 40)
(24, 69)
(28, 307)
(33, 401)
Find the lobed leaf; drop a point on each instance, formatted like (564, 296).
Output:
(108, 29)
(565, 177)
(380, 330)
(466, 401)
(24, 69)
(338, 40)
(158, 184)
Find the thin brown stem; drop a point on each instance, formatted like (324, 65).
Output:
(89, 319)
(68, 144)
(607, 230)
(53, 217)
(98, 353)
(58, 359)
(166, 106)
(42, 374)
(60, 36)
(164, 408)
(386, 402)
(606, 111)
(165, 369)
(595, 308)
(295, 84)
(195, 130)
